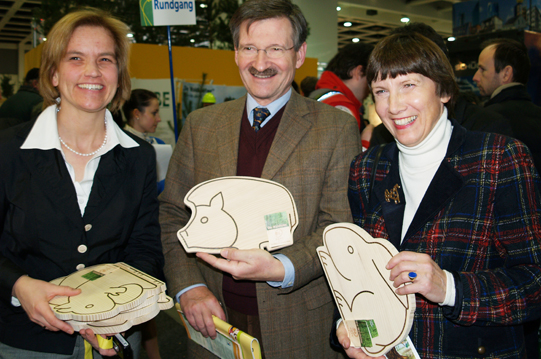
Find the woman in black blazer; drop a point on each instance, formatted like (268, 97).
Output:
(75, 190)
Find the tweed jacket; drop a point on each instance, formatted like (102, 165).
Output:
(310, 155)
(42, 230)
(480, 220)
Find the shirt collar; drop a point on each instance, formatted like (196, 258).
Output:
(44, 133)
(273, 107)
(503, 87)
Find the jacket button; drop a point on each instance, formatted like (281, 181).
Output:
(80, 266)
(481, 350)
(82, 248)
(88, 227)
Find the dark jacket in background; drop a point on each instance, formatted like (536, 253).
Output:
(20, 105)
(515, 104)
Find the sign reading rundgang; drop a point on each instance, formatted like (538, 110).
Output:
(167, 12)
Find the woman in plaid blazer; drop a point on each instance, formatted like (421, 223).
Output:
(463, 208)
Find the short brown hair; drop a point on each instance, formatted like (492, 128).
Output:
(402, 54)
(55, 48)
(256, 10)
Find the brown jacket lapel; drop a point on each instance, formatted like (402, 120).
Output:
(291, 130)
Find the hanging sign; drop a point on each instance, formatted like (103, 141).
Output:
(167, 12)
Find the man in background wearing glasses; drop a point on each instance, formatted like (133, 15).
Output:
(282, 299)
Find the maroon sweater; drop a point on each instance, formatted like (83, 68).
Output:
(240, 295)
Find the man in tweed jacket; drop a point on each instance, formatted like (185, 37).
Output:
(310, 153)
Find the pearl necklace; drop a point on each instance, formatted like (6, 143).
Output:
(86, 154)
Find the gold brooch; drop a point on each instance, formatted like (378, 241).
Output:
(393, 194)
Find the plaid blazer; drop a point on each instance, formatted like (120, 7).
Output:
(310, 155)
(480, 220)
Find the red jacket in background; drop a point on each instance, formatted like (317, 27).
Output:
(345, 100)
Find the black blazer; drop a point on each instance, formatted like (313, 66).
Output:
(41, 228)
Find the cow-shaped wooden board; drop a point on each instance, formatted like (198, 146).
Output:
(108, 290)
(238, 212)
(377, 318)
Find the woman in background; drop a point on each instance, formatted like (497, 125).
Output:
(75, 190)
(142, 112)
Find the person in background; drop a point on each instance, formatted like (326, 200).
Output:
(308, 84)
(142, 112)
(465, 215)
(21, 106)
(504, 67)
(343, 83)
(295, 86)
(274, 133)
(209, 99)
(75, 190)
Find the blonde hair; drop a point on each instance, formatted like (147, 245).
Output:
(55, 48)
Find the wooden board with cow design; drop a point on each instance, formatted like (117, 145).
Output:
(376, 317)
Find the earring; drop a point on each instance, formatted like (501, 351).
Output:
(57, 100)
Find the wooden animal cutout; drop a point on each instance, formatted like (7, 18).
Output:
(376, 317)
(238, 212)
(125, 320)
(106, 291)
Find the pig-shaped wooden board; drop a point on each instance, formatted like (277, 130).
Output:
(110, 291)
(354, 264)
(238, 212)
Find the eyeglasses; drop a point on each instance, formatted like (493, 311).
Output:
(273, 52)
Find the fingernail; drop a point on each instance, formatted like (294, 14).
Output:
(224, 253)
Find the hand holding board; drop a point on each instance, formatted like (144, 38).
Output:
(113, 298)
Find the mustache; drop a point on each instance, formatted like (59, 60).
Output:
(267, 72)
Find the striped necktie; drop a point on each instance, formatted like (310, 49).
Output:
(260, 114)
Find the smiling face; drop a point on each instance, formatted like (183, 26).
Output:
(87, 75)
(148, 120)
(409, 106)
(268, 79)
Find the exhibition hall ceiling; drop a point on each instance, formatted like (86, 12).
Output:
(370, 19)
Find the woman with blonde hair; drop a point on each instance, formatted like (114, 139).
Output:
(75, 190)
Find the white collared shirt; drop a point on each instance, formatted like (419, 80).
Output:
(44, 136)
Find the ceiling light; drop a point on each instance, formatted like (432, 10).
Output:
(355, 39)
(192, 41)
(130, 35)
(347, 24)
(451, 38)
(404, 19)
(203, 5)
(338, 8)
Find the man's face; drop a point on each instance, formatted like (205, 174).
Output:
(268, 79)
(486, 78)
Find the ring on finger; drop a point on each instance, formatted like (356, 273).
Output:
(412, 276)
